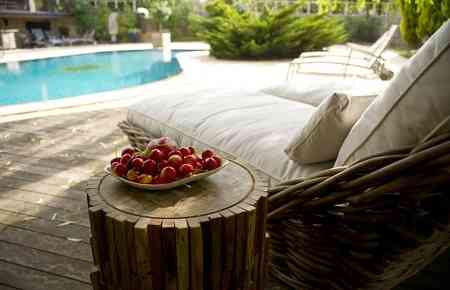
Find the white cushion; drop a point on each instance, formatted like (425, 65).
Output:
(322, 136)
(313, 91)
(416, 100)
(250, 125)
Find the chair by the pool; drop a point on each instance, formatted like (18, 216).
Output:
(87, 38)
(355, 60)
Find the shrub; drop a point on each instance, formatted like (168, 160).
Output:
(83, 15)
(127, 22)
(281, 34)
(421, 18)
(363, 28)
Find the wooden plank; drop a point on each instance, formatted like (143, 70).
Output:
(98, 241)
(229, 238)
(6, 287)
(216, 250)
(130, 242)
(169, 254)
(49, 200)
(59, 246)
(32, 279)
(240, 250)
(157, 263)
(95, 280)
(64, 189)
(21, 179)
(112, 249)
(260, 241)
(142, 253)
(45, 261)
(196, 254)
(182, 251)
(42, 211)
(205, 226)
(120, 238)
(249, 261)
(55, 228)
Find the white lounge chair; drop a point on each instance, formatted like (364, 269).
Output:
(363, 62)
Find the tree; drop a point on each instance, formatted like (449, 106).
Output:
(160, 11)
(421, 18)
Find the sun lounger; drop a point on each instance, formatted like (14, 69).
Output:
(355, 60)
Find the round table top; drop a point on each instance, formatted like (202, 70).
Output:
(218, 192)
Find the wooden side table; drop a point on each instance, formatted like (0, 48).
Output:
(208, 236)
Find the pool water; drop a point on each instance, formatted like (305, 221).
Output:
(70, 76)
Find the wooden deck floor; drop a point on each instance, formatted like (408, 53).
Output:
(44, 227)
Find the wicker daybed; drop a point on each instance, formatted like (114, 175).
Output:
(373, 216)
(369, 225)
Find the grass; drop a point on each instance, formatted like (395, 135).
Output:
(81, 68)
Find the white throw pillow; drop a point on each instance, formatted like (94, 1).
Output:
(417, 99)
(322, 136)
(313, 91)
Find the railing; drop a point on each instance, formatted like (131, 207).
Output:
(342, 7)
(14, 5)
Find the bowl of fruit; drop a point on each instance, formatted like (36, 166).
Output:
(162, 165)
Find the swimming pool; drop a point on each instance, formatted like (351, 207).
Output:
(71, 76)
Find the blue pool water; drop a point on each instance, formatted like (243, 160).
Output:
(70, 76)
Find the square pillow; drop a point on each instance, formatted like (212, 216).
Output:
(416, 100)
(322, 136)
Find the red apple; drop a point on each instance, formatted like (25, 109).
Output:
(199, 165)
(145, 179)
(128, 151)
(117, 159)
(175, 161)
(132, 175)
(155, 179)
(162, 164)
(192, 159)
(210, 163)
(175, 152)
(119, 169)
(125, 159)
(168, 174)
(218, 160)
(185, 151)
(152, 144)
(207, 154)
(186, 170)
(150, 167)
(156, 155)
(137, 164)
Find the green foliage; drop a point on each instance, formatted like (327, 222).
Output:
(127, 22)
(234, 33)
(421, 18)
(178, 22)
(160, 11)
(84, 16)
(101, 24)
(363, 28)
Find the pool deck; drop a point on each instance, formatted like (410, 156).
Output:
(47, 155)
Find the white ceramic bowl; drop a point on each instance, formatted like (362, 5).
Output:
(165, 186)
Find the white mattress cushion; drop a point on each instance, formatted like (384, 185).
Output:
(416, 100)
(252, 126)
(313, 91)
